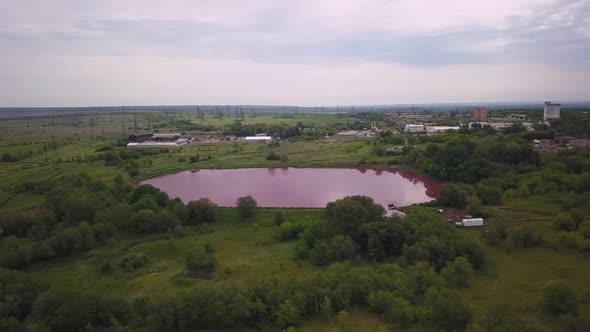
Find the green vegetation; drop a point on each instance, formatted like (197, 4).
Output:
(84, 247)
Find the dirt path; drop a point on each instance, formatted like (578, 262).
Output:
(541, 213)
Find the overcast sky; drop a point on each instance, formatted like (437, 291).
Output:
(304, 52)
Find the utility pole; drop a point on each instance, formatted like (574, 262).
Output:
(122, 121)
(54, 148)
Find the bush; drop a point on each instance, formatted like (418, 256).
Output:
(246, 206)
(200, 262)
(526, 237)
(559, 298)
(290, 231)
(133, 261)
(208, 247)
(496, 232)
(273, 156)
(133, 172)
(8, 157)
(563, 223)
(106, 267)
(195, 159)
(450, 313)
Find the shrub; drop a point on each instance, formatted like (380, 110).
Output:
(450, 313)
(273, 156)
(563, 223)
(208, 247)
(8, 157)
(559, 298)
(200, 262)
(496, 232)
(133, 261)
(133, 172)
(290, 231)
(106, 267)
(526, 237)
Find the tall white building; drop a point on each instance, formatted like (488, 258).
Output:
(551, 111)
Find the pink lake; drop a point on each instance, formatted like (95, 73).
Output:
(299, 187)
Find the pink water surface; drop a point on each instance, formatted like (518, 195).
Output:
(299, 187)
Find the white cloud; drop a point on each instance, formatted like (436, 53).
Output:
(70, 52)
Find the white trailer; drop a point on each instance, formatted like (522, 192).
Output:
(470, 222)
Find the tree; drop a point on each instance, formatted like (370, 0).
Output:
(348, 214)
(279, 218)
(288, 314)
(453, 196)
(559, 298)
(15, 252)
(201, 211)
(563, 223)
(246, 206)
(474, 206)
(451, 313)
(145, 203)
(489, 195)
(18, 291)
(341, 248)
(320, 253)
(145, 221)
(458, 272)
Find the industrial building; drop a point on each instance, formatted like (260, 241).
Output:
(166, 137)
(258, 138)
(152, 144)
(440, 129)
(150, 140)
(138, 138)
(414, 128)
(551, 111)
(479, 114)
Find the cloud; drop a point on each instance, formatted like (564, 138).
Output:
(341, 41)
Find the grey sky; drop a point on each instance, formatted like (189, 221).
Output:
(306, 52)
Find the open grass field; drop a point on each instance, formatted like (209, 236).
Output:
(245, 251)
(44, 128)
